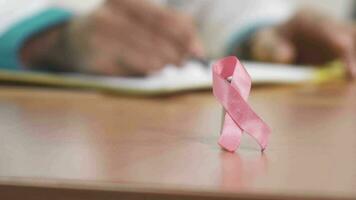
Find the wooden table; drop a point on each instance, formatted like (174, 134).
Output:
(58, 144)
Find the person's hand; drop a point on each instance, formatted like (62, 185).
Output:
(126, 37)
(308, 38)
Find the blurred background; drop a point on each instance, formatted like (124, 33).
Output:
(142, 37)
(338, 8)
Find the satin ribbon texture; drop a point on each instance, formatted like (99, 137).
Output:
(232, 95)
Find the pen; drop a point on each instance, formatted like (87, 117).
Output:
(205, 62)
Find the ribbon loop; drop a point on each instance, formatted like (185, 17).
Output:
(233, 96)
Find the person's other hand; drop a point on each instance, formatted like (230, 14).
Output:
(307, 38)
(122, 37)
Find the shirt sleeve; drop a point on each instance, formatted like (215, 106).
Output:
(15, 34)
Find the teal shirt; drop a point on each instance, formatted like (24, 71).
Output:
(238, 38)
(13, 39)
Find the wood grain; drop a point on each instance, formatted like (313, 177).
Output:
(87, 145)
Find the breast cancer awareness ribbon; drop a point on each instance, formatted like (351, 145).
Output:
(239, 116)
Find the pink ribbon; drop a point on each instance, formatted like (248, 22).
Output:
(233, 96)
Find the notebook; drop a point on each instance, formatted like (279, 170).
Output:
(193, 75)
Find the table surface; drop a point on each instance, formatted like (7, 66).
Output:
(91, 145)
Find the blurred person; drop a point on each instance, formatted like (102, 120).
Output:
(308, 37)
(272, 31)
(127, 37)
(120, 37)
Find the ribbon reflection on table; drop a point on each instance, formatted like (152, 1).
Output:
(233, 96)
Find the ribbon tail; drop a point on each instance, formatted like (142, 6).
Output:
(230, 134)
